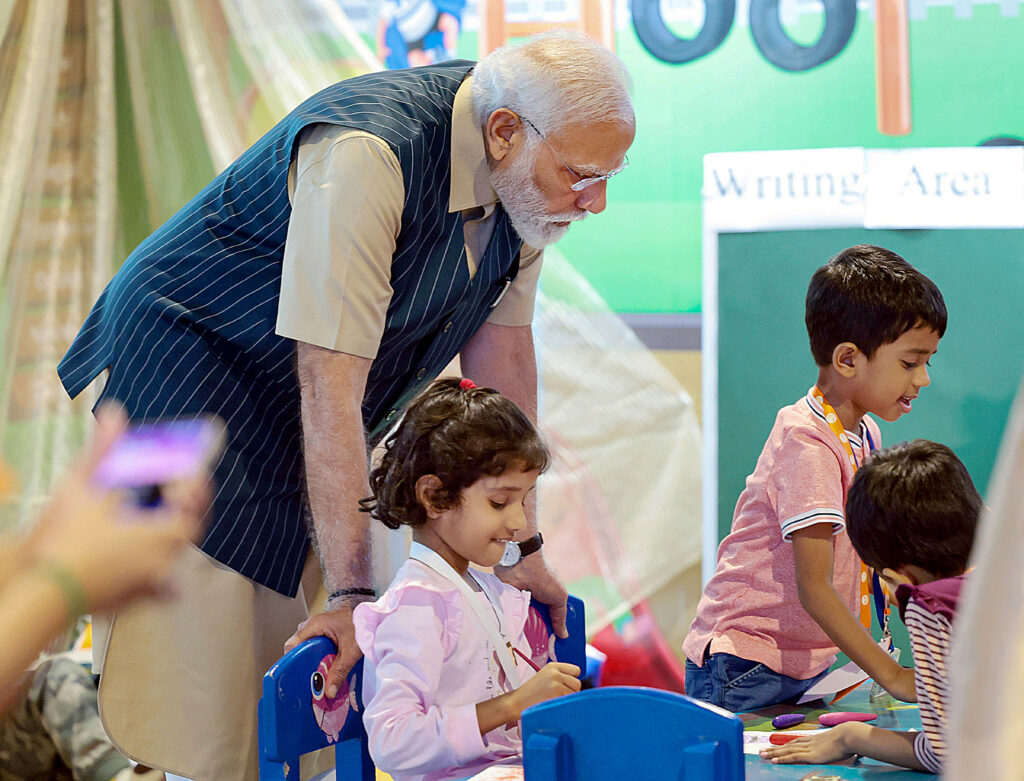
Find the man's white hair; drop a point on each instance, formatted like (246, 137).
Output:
(554, 79)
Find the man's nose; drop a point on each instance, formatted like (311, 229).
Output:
(594, 198)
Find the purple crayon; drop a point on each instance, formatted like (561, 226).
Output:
(787, 720)
(831, 719)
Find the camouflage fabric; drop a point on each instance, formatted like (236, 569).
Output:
(54, 733)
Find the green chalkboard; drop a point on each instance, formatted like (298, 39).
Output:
(764, 361)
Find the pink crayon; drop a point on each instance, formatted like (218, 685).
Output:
(831, 719)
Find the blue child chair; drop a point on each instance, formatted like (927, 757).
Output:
(631, 732)
(295, 716)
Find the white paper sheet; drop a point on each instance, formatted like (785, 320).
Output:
(836, 681)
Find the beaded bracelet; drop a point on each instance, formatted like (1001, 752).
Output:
(68, 583)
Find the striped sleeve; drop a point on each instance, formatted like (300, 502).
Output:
(811, 518)
(925, 753)
(929, 639)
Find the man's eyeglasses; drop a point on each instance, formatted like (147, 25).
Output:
(583, 181)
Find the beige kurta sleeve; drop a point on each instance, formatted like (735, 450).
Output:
(346, 214)
(516, 306)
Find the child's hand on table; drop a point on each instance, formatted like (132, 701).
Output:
(829, 746)
(847, 740)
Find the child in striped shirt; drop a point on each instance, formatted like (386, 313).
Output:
(911, 515)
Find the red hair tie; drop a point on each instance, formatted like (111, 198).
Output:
(467, 384)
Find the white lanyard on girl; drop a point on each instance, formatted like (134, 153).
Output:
(490, 621)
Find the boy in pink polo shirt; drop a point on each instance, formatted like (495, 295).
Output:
(787, 592)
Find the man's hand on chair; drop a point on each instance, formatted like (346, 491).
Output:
(335, 624)
(532, 574)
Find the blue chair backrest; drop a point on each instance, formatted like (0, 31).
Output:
(546, 647)
(631, 732)
(295, 717)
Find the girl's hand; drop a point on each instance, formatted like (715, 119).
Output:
(829, 746)
(553, 680)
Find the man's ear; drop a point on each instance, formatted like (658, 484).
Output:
(844, 358)
(501, 125)
(427, 488)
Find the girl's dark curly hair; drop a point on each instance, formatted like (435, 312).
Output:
(460, 435)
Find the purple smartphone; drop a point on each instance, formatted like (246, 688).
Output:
(150, 455)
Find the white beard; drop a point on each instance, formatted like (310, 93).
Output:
(525, 204)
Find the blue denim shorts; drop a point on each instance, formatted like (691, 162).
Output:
(740, 685)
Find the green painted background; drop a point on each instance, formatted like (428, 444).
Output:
(643, 254)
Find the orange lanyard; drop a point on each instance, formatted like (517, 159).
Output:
(867, 578)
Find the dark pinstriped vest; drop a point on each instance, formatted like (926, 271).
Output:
(187, 324)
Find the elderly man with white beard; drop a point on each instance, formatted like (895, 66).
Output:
(389, 223)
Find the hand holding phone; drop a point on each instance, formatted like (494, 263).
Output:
(148, 457)
(109, 550)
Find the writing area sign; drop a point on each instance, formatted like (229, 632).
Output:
(970, 187)
(749, 191)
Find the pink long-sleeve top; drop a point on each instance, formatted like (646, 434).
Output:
(428, 663)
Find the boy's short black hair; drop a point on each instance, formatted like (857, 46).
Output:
(869, 296)
(913, 504)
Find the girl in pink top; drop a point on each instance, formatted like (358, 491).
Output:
(447, 675)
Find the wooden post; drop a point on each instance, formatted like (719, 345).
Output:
(892, 67)
(492, 32)
(595, 21)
